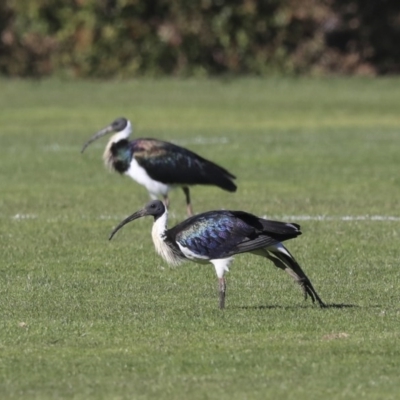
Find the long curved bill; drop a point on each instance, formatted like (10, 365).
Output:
(136, 215)
(96, 136)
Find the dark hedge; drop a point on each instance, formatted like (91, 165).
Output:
(125, 38)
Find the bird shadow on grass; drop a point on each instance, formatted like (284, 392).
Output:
(276, 306)
(341, 305)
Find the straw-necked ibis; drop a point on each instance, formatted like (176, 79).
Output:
(159, 166)
(216, 236)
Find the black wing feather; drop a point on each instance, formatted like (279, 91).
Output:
(220, 234)
(171, 164)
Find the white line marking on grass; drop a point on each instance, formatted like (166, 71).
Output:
(108, 217)
(339, 218)
(344, 218)
(202, 140)
(55, 147)
(24, 216)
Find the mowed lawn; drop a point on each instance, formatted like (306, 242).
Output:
(85, 318)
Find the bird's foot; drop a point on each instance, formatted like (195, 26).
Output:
(309, 291)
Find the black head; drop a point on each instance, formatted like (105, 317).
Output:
(117, 125)
(156, 208)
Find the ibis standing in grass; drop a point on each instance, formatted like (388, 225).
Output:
(216, 236)
(159, 166)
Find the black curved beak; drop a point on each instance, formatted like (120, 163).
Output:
(96, 136)
(136, 215)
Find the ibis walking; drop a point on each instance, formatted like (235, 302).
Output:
(159, 166)
(216, 236)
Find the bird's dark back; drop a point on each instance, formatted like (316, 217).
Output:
(171, 164)
(219, 234)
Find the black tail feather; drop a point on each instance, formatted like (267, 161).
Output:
(282, 259)
(220, 177)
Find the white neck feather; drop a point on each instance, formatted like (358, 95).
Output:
(158, 235)
(124, 134)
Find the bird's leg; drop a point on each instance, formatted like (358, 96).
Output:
(222, 290)
(189, 208)
(166, 200)
(221, 266)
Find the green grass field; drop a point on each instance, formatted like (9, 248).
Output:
(85, 318)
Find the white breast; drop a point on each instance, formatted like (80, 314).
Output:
(139, 174)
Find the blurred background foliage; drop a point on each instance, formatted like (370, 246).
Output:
(126, 38)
